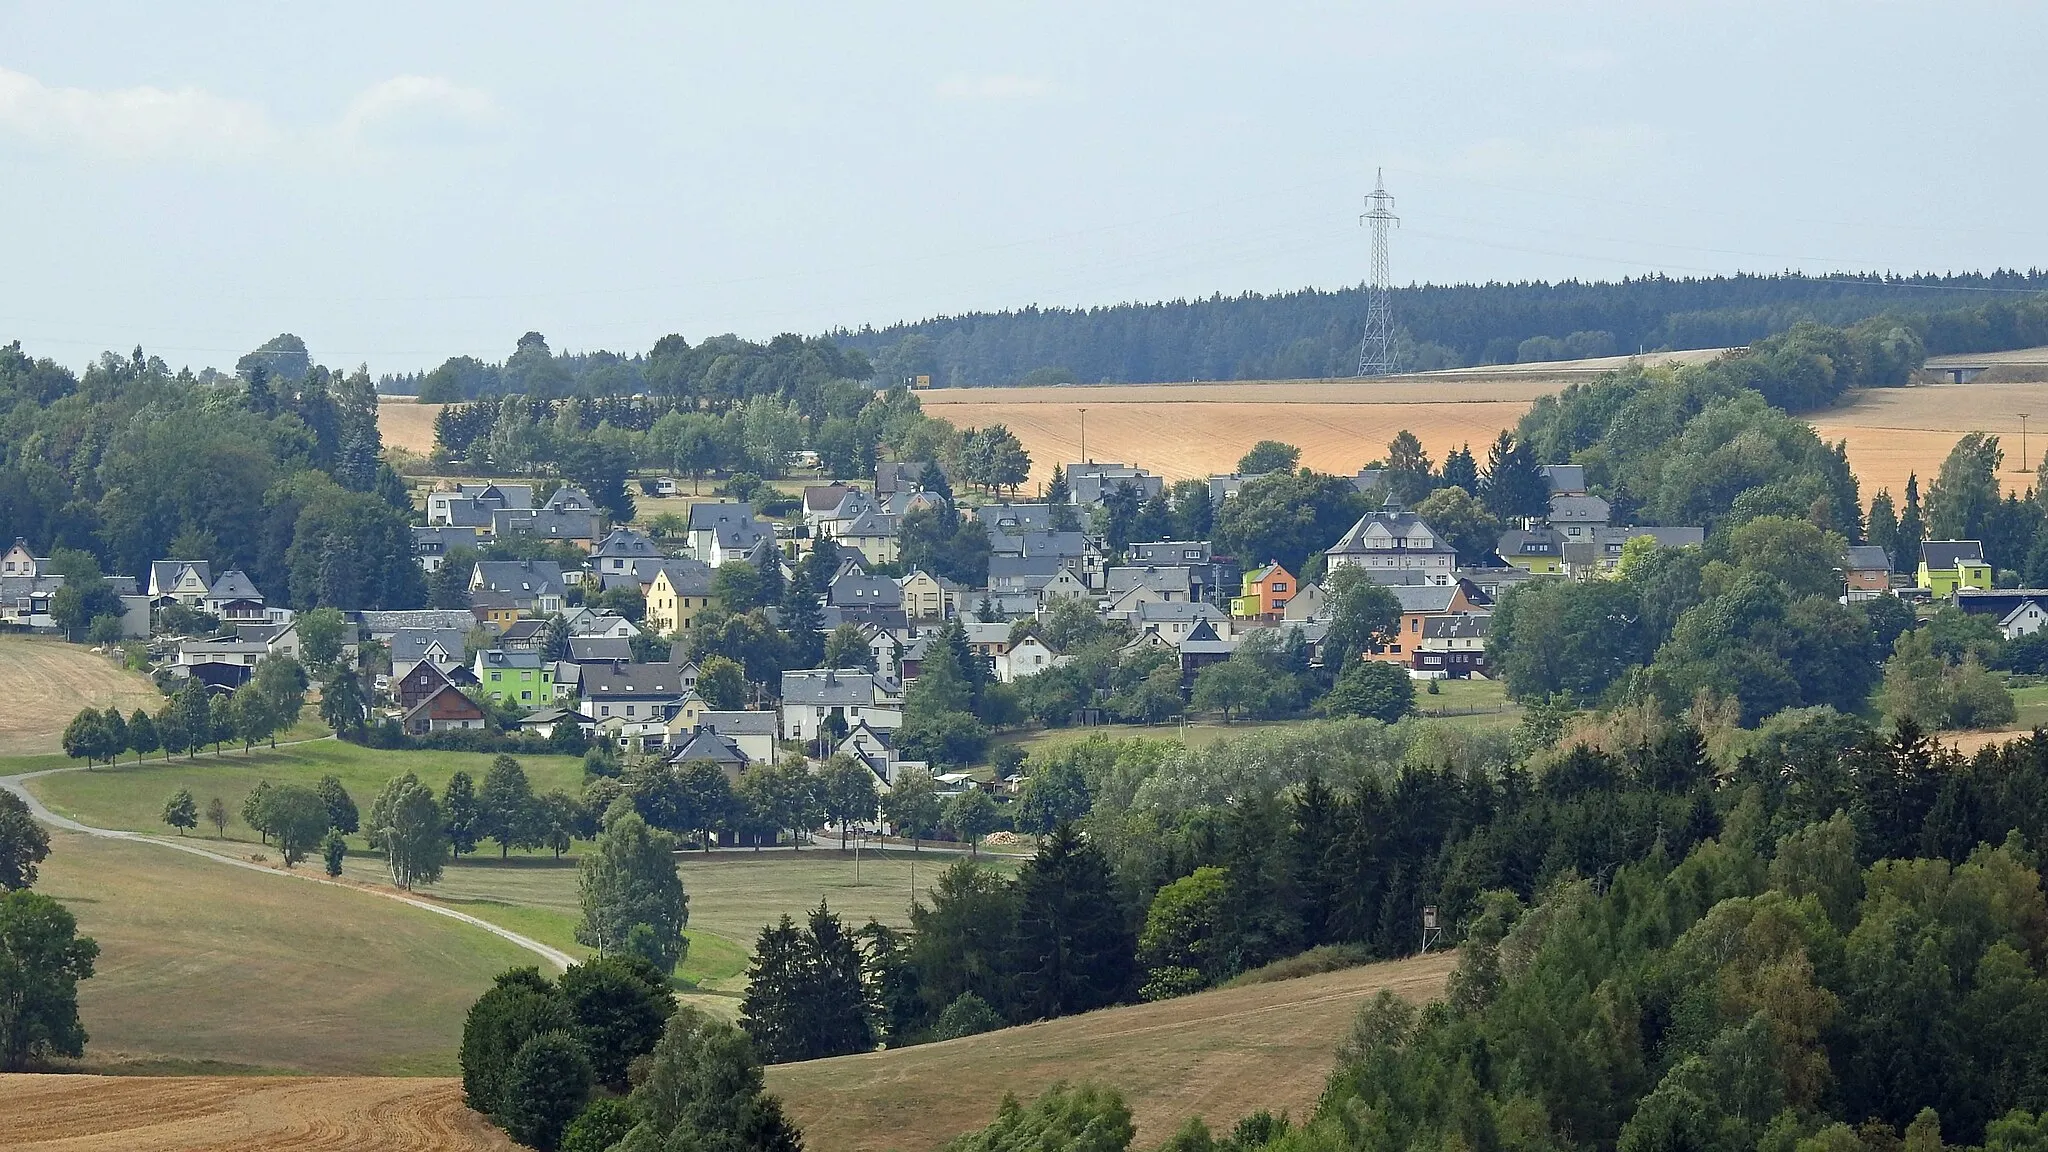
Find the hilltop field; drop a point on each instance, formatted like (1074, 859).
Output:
(1196, 429)
(45, 682)
(1218, 1055)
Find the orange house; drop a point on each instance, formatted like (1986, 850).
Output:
(1266, 592)
(1421, 603)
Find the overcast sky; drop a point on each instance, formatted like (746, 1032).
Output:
(401, 183)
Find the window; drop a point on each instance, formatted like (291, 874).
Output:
(629, 709)
(604, 710)
(526, 695)
(497, 676)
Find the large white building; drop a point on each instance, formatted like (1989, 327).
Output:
(1391, 540)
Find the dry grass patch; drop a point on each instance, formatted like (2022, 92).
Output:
(240, 1114)
(1895, 431)
(45, 682)
(1218, 1055)
(408, 425)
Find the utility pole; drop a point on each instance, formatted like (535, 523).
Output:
(1084, 440)
(2026, 461)
(1376, 350)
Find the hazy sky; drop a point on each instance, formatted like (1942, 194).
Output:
(400, 183)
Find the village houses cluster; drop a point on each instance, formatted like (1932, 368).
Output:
(1180, 595)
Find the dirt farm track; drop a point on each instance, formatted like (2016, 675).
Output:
(240, 1114)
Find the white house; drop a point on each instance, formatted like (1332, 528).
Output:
(812, 697)
(1027, 657)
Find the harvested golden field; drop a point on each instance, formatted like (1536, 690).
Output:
(240, 1114)
(46, 682)
(1218, 1055)
(407, 425)
(1198, 429)
(1896, 431)
(1184, 430)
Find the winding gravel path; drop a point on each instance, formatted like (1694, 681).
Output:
(18, 785)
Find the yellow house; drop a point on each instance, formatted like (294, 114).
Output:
(1537, 550)
(873, 535)
(1946, 565)
(494, 609)
(686, 718)
(927, 597)
(677, 597)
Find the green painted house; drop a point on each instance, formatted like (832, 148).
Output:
(1946, 565)
(518, 679)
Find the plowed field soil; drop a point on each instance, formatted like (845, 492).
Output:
(240, 1114)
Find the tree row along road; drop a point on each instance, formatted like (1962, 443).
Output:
(17, 785)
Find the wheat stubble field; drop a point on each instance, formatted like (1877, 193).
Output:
(1217, 1055)
(45, 682)
(240, 1114)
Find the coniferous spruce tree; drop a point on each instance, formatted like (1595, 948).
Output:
(1075, 947)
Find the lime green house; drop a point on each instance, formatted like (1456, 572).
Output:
(517, 679)
(1946, 565)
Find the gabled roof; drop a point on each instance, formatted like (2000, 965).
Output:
(234, 584)
(165, 575)
(1389, 529)
(824, 497)
(1472, 627)
(1013, 519)
(870, 524)
(858, 590)
(616, 680)
(704, 517)
(546, 523)
(624, 542)
(706, 744)
(1530, 542)
(1066, 545)
(739, 723)
(442, 537)
(1565, 478)
(1939, 555)
(467, 709)
(1425, 597)
(570, 496)
(1579, 510)
(1123, 578)
(1202, 630)
(827, 687)
(411, 645)
(1168, 552)
(519, 577)
(592, 649)
(497, 658)
(1176, 611)
(380, 622)
(1868, 558)
(522, 630)
(688, 577)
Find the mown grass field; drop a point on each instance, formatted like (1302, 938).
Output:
(44, 682)
(1218, 1055)
(200, 962)
(131, 795)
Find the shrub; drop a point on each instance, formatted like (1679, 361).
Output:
(1314, 962)
(967, 1015)
(602, 1123)
(546, 1085)
(520, 1006)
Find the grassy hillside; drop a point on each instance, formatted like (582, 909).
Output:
(45, 682)
(132, 794)
(200, 962)
(1217, 1055)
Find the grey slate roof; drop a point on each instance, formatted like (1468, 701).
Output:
(1424, 597)
(1565, 478)
(1579, 510)
(234, 584)
(545, 523)
(520, 577)
(409, 645)
(1868, 558)
(380, 624)
(612, 681)
(1940, 554)
(595, 649)
(704, 517)
(861, 591)
(1169, 552)
(1067, 545)
(1401, 523)
(826, 688)
(624, 542)
(1123, 578)
(705, 744)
